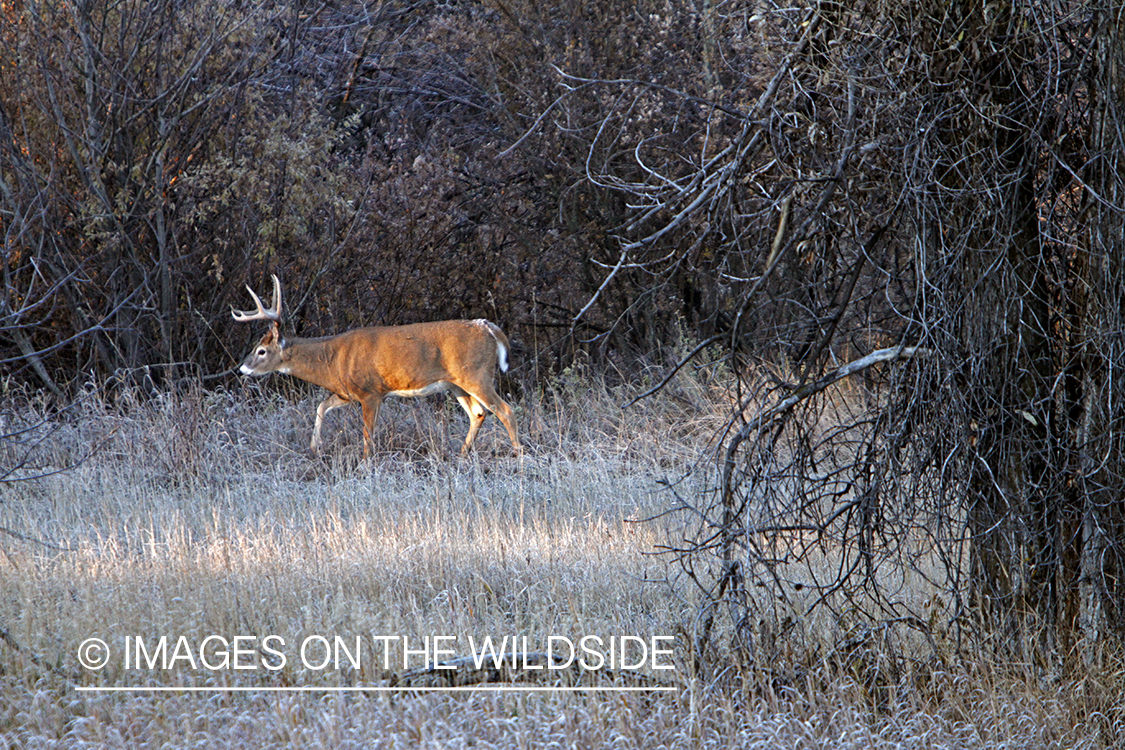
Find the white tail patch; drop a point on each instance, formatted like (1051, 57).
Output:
(501, 350)
(502, 354)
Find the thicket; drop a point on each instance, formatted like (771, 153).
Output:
(923, 199)
(391, 162)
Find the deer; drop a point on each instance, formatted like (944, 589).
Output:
(366, 365)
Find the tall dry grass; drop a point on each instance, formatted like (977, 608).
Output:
(204, 513)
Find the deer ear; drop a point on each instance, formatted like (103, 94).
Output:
(271, 336)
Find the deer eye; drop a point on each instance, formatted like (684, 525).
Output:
(262, 352)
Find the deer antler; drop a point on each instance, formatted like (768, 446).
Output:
(274, 313)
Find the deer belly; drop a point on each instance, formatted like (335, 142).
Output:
(429, 390)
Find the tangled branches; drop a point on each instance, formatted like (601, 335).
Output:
(909, 178)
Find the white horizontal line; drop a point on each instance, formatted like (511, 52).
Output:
(361, 689)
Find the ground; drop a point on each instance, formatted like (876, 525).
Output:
(203, 520)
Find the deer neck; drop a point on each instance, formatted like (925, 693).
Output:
(309, 360)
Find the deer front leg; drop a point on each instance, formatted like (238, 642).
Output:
(325, 406)
(370, 406)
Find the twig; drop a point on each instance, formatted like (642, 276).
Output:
(12, 643)
(33, 540)
(513, 667)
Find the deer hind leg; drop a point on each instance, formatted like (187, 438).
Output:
(326, 405)
(486, 396)
(476, 412)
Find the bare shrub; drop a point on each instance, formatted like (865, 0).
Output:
(914, 198)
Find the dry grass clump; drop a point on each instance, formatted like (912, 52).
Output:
(204, 513)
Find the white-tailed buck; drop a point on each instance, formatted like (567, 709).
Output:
(369, 364)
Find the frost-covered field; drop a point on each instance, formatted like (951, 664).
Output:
(206, 549)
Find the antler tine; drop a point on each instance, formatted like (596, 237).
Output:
(276, 296)
(274, 313)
